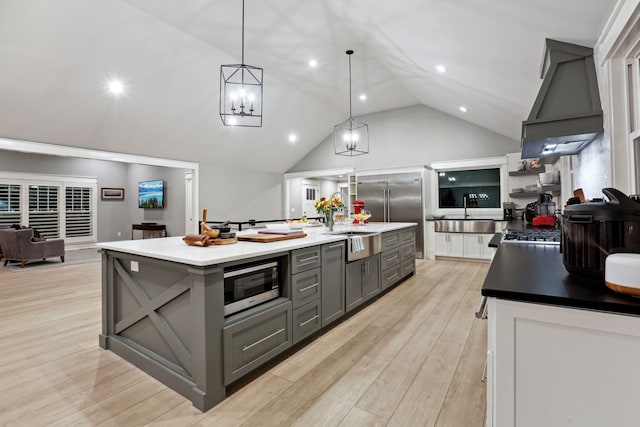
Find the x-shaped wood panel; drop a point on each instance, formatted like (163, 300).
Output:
(148, 308)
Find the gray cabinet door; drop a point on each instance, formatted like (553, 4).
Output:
(306, 321)
(390, 259)
(390, 276)
(305, 287)
(354, 291)
(390, 240)
(305, 259)
(251, 342)
(333, 282)
(371, 276)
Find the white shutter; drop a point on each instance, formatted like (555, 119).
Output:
(78, 212)
(44, 214)
(9, 204)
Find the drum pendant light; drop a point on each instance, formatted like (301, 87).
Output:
(241, 92)
(351, 138)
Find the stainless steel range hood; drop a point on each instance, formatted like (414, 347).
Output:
(566, 115)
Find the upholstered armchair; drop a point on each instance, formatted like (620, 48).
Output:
(17, 246)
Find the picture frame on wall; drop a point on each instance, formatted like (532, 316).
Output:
(112, 193)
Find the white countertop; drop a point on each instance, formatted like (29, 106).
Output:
(174, 249)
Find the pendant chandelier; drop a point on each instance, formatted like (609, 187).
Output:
(351, 138)
(241, 92)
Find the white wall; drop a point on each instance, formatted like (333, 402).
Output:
(235, 194)
(592, 168)
(412, 136)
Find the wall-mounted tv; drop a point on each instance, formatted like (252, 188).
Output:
(151, 194)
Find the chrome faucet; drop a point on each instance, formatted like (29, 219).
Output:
(464, 202)
(331, 209)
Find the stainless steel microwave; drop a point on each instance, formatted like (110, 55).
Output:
(249, 285)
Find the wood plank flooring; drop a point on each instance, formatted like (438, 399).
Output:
(412, 358)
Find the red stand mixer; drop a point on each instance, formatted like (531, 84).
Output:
(358, 207)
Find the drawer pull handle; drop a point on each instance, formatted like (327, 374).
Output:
(309, 287)
(339, 245)
(391, 258)
(307, 321)
(247, 347)
(394, 275)
(308, 260)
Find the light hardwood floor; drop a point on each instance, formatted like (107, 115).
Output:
(414, 357)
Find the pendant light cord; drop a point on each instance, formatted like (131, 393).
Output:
(350, 116)
(242, 32)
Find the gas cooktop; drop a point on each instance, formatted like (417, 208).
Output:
(538, 236)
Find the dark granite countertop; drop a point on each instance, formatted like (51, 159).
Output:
(535, 273)
(495, 240)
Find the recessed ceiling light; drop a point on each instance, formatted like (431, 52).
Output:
(232, 121)
(115, 87)
(463, 108)
(363, 97)
(293, 137)
(441, 68)
(313, 63)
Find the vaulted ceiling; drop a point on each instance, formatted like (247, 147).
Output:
(56, 58)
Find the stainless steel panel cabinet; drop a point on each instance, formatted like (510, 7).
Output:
(333, 282)
(374, 194)
(395, 198)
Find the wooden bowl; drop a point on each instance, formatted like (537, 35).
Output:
(211, 233)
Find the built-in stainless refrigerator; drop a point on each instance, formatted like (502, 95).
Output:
(395, 198)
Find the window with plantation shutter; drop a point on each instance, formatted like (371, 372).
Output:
(44, 212)
(78, 212)
(9, 204)
(57, 206)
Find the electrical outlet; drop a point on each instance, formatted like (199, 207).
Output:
(119, 233)
(135, 266)
(293, 210)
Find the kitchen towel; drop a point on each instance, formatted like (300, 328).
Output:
(357, 244)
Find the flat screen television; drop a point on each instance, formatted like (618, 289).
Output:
(151, 194)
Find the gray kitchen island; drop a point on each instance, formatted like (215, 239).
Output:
(163, 302)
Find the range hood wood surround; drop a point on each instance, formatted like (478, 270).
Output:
(567, 110)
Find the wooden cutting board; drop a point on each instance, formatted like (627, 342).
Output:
(266, 238)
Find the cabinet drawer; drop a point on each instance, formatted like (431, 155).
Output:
(306, 320)
(305, 259)
(390, 276)
(407, 252)
(408, 236)
(390, 259)
(390, 240)
(407, 267)
(305, 287)
(251, 342)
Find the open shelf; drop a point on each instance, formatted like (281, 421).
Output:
(526, 172)
(544, 189)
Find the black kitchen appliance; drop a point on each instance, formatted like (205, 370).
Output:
(250, 284)
(591, 231)
(509, 209)
(542, 207)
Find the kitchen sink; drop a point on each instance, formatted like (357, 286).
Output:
(465, 226)
(372, 243)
